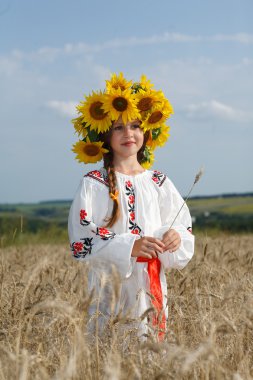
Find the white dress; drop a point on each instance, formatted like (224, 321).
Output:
(148, 204)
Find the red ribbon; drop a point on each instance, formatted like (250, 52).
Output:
(159, 318)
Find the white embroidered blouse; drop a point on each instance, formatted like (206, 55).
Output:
(148, 204)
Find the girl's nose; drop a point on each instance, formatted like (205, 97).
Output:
(127, 131)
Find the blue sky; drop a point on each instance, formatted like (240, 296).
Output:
(200, 53)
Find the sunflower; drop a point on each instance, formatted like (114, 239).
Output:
(147, 99)
(158, 115)
(148, 158)
(121, 103)
(93, 113)
(145, 83)
(158, 137)
(89, 152)
(117, 81)
(79, 126)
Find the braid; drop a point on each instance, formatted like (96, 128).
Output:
(108, 165)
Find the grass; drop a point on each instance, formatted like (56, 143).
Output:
(44, 302)
(230, 205)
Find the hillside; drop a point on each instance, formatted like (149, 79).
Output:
(227, 212)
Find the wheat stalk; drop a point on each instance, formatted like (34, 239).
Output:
(196, 180)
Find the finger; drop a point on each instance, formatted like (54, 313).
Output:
(173, 247)
(151, 253)
(146, 255)
(170, 239)
(158, 248)
(155, 247)
(155, 240)
(169, 235)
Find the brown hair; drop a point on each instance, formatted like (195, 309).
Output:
(112, 180)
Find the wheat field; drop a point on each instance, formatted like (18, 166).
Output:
(44, 302)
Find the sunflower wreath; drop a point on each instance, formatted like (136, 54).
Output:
(130, 101)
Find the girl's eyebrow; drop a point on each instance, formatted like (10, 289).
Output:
(120, 124)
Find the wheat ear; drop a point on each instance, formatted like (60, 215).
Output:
(197, 178)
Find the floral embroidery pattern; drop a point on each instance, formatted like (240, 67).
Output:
(83, 220)
(101, 177)
(81, 249)
(133, 227)
(104, 233)
(158, 177)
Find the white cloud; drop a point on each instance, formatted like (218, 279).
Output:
(242, 38)
(49, 54)
(63, 108)
(217, 110)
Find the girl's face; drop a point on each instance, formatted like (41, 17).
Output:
(126, 140)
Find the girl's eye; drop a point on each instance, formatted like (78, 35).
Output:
(135, 126)
(118, 127)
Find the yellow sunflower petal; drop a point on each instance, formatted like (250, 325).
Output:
(121, 103)
(93, 112)
(145, 100)
(158, 115)
(89, 152)
(145, 83)
(148, 164)
(79, 125)
(160, 140)
(117, 82)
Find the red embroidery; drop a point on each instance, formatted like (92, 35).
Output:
(83, 214)
(104, 233)
(131, 199)
(96, 173)
(83, 220)
(129, 184)
(78, 246)
(133, 227)
(79, 249)
(158, 177)
(132, 215)
(101, 177)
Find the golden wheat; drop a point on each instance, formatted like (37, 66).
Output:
(44, 303)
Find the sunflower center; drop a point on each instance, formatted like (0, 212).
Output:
(119, 85)
(91, 149)
(120, 104)
(96, 111)
(144, 104)
(155, 117)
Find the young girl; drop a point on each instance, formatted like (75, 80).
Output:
(121, 215)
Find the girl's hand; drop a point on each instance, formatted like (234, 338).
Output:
(171, 240)
(147, 247)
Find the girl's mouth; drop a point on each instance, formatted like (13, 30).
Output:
(128, 143)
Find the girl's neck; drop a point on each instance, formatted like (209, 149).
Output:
(129, 165)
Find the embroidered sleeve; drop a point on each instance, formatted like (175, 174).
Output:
(89, 241)
(98, 176)
(158, 178)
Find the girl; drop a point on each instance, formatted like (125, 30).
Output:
(121, 215)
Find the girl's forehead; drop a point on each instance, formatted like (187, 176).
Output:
(130, 122)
